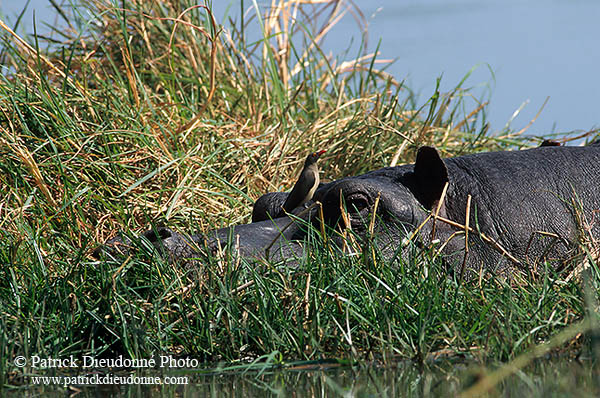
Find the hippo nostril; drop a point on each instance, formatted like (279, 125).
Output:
(161, 233)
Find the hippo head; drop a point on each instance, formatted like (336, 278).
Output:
(502, 210)
(386, 206)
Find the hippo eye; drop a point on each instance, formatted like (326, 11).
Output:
(357, 202)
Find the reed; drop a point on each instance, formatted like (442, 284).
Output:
(148, 113)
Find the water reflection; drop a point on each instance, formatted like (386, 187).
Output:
(441, 379)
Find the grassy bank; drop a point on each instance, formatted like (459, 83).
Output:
(151, 114)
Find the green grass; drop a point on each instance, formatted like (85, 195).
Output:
(136, 120)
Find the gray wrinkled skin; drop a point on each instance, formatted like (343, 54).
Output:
(535, 204)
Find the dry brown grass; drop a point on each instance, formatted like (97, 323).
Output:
(172, 117)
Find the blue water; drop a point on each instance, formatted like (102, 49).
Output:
(535, 49)
(526, 50)
(39, 10)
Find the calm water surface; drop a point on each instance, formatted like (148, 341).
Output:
(523, 50)
(443, 379)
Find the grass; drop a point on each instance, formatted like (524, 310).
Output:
(151, 113)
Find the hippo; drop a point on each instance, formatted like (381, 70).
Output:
(497, 211)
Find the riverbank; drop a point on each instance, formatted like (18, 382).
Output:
(159, 115)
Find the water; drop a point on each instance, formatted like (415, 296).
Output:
(545, 378)
(40, 11)
(535, 49)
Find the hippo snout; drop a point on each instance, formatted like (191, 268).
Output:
(161, 239)
(275, 239)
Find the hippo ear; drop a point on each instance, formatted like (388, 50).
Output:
(431, 175)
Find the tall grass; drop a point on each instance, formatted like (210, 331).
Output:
(154, 113)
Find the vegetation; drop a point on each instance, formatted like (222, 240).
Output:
(151, 113)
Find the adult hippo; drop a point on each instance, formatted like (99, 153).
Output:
(524, 207)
